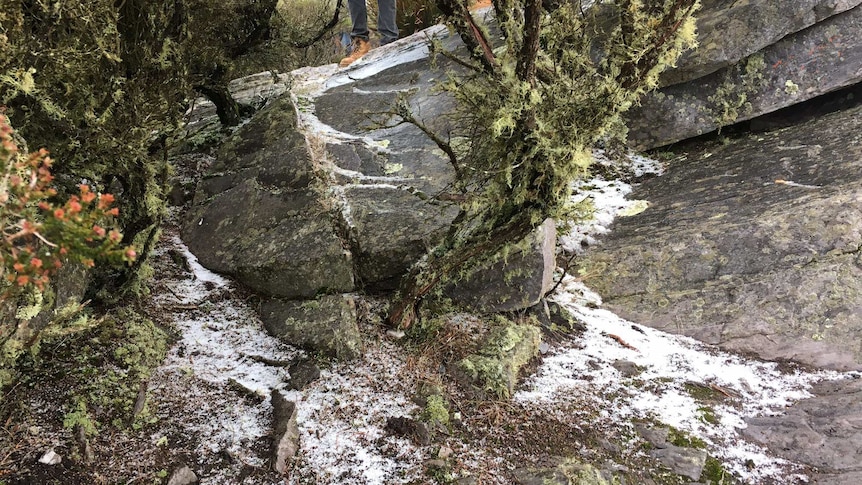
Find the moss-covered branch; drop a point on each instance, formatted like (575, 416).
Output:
(558, 83)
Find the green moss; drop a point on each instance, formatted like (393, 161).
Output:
(707, 415)
(436, 410)
(80, 417)
(714, 473)
(104, 368)
(684, 440)
(508, 347)
(730, 100)
(582, 474)
(701, 392)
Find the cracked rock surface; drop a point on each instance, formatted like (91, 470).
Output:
(753, 245)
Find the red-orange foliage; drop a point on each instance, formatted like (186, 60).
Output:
(40, 233)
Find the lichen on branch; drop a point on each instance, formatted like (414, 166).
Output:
(550, 85)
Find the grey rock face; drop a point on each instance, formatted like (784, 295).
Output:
(687, 462)
(285, 432)
(824, 431)
(302, 373)
(516, 282)
(390, 230)
(388, 176)
(294, 214)
(753, 246)
(730, 30)
(326, 325)
(255, 217)
(814, 61)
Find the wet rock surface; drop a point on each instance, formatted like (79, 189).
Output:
(752, 245)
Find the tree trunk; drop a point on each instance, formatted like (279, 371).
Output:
(227, 108)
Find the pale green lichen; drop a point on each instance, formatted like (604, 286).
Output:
(436, 410)
(730, 100)
(508, 347)
(31, 305)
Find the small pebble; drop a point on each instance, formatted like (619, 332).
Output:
(50, 458)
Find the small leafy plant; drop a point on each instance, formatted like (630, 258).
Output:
(41, 232)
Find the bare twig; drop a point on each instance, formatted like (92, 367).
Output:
(620, 341)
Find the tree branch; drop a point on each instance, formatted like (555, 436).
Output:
(526, 67)
(323, 31)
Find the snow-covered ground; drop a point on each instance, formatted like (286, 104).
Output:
(342, 415)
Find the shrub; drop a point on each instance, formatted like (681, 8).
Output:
(39, 233)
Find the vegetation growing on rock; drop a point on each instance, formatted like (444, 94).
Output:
(493, 370)
(535, 107)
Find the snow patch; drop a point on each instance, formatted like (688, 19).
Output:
(342, 417)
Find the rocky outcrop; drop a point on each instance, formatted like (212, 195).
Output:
(824, 432)
(257, 218)
(822, 58)
(519, 281)
(326, 191)
(753, 246)
(730, 30)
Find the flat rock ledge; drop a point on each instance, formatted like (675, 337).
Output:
(819, 59)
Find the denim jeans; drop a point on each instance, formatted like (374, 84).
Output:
(386, 26)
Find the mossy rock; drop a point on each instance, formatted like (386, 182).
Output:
(327, 325)
(568, 472)
(493, 371)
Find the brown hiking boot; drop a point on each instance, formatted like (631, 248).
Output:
(360, 48)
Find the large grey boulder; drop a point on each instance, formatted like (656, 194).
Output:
(731, 30)
(256, 217)
(753, 245)
(327, 325)
(814, 61)
(390, 179)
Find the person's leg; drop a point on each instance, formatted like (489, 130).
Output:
(386, 26)
(359, 19)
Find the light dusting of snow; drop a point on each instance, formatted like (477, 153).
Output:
(399, 52)
(608, 200)
(342, 416)
(220, 338)
(668, 365)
